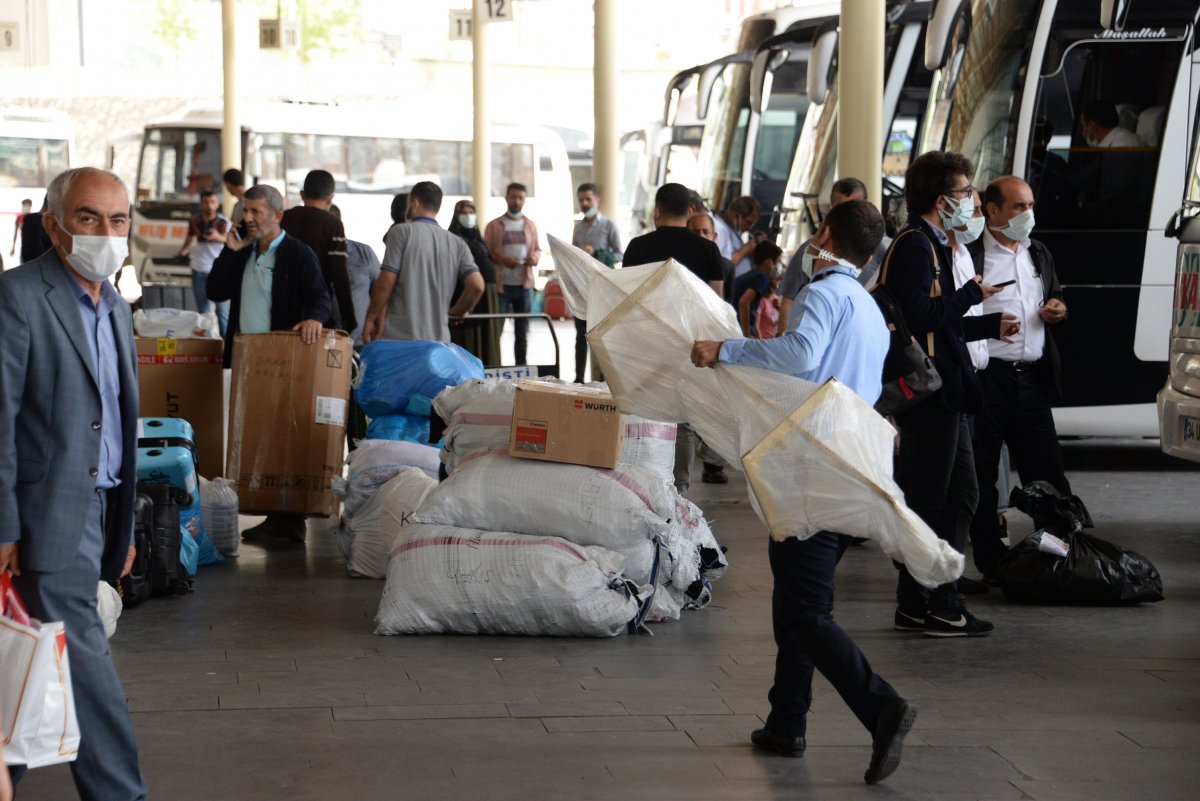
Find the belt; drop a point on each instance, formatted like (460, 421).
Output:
(1020, 367)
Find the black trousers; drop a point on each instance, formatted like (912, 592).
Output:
(1016, 410)
(808, 638)
(581, 354)
(936, 470)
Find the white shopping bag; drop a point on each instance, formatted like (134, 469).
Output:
(37, 707)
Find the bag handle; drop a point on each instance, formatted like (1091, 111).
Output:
(935, 288)
(11, 605)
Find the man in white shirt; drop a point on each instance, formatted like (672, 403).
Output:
(1022, 374)
(736, 220)
(1101, 127)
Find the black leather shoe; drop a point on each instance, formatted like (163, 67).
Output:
(714, 475)
(766, 740)
(894, 723)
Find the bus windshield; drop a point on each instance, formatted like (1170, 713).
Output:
(723, 146)
(177, 163)
(31, 162)
(972, 101)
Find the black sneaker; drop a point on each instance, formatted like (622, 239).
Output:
(964, 624)
(909, 622)
(887, 741)
(714, 475)
(766, 740)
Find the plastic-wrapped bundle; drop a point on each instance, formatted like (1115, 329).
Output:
(108, 607)
(478, 415)
(622, 510)
(404, 376)
(816, 458)
(219, 506)
(446, 579)
(375, 462)
(174, 324)
(373, 531)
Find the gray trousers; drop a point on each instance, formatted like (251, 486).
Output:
(688, 445)
(107, 766)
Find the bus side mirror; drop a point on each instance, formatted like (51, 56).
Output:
(820, 64)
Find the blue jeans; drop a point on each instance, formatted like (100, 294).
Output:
(808, 638)
(203, 304)
(519, 300)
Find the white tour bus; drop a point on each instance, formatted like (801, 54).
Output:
(373, 152)
(814, 164)
(1011, 79)
(1179, 400)
(35, 146)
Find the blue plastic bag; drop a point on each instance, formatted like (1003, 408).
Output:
(400, 427)
(397, 374)
(189, 552)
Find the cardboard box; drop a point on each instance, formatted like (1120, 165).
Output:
(287, 421)
(566, 423)
(182, 378)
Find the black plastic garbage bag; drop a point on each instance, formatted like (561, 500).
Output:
(1050, 510)
(1093, 573)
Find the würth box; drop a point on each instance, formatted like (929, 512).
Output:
(287, 421)
(566, 423)
(182, 378)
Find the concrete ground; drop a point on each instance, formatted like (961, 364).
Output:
(267, 683)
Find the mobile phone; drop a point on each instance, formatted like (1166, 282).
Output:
(1003, 284)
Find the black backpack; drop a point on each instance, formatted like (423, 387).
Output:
(909, 375)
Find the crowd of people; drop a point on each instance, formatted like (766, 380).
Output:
(979, 295)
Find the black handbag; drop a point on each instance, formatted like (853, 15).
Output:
(909, 375)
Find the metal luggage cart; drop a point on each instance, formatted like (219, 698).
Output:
(523, 371)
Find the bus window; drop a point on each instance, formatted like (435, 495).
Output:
(178, 163)
(31, 162)
(1092, 185)
(723, 146)
(897, 152)
(512, 164)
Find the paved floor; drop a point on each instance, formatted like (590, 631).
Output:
(267, 683)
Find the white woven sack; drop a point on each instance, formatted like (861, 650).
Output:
(374, 462)
(373, 531)
(478, 415)
(621, 510)
(445, 579)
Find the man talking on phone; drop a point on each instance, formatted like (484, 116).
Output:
(1023, 373)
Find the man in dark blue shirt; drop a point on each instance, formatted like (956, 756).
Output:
(750, 288)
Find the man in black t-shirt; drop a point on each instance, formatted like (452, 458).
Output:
(671, 239)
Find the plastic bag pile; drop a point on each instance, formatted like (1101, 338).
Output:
(518, 546)
(816, 457)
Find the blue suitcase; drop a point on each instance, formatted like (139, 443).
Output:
(163, 432)
(176, 465)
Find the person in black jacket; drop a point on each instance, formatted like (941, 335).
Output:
(935, 466)
(1023, 376)
(314, 225)
(274, 283)
(480, 337)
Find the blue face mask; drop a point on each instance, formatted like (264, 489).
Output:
(1019, 228)
(964, 210)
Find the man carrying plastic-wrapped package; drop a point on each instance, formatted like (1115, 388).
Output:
(837, 333)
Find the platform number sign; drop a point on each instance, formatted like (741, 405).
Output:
(460, 25)
(497, 10)
(9, 40)
(278, 34)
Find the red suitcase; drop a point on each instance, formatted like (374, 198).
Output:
(554, 303)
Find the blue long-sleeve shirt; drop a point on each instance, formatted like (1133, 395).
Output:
(838, 332)
(102, 344)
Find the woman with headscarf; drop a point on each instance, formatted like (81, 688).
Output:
(480, 337)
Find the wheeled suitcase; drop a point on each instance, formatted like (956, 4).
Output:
(168, 296)
(134, 587)
(167, 432)
(166, 575)
(555, 304)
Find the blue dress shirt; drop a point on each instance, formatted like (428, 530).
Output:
(838, 332)
(102, 345)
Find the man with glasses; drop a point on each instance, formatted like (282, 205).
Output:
(936, 466)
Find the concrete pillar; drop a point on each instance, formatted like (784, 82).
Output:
(231, 129)
(606, 135)
(481, 145)
(860, 95)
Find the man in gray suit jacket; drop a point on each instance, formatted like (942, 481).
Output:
(68, 451)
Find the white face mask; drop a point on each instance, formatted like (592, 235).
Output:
(467, 220)
(964, 210)
(97, 258)
(1019, 228)
(825, 255)
(590, 213)
(972, 232)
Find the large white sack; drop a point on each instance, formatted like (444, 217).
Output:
(447, 579)
(374, 529)
(478, 417)
(816, 458)
(174, 324)
(622, 510)
(374, 462)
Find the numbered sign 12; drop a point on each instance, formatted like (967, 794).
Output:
(496, 10)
